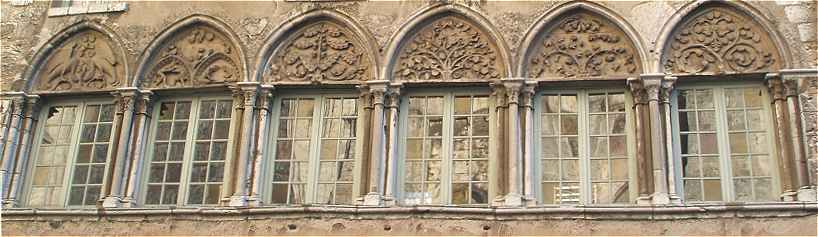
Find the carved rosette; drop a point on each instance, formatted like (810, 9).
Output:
(449, 48)
(196, 56)
(86, 61)
(320, 52)
(584, 45)
(721, 41)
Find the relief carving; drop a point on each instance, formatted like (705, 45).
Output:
(320, 52)
(86, 61)
(449, 49)
(721, 41)
(196, 56)
(584, 45)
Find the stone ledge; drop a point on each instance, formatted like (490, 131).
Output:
(596, 212)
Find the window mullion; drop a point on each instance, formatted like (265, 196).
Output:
(446, 163)
(187, 158)
(723, 143)
(315, 139)
(584, 148)
(72, 152)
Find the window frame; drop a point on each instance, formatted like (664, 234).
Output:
(447, 157)
(74, 140)
(190, 143)
(722, 136)
(583, 136)
(313, 162)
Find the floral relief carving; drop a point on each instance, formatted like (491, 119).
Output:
(449, 49)
(196, 56)
(86, 61)
(321, 52)
(720, 41)
(584, 45)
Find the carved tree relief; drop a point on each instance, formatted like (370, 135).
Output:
(320, 52)
(196, 56)
(721, 41)
(584, 45)
(449, 49)
(86, 61)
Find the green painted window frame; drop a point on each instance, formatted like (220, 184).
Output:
(584, 145)
(725, 166)
(448, 141)
(190, 141)
(71, 163)
(313, 162)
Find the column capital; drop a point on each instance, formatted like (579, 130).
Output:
(652, 84)
(393, 95)
(637, 88)
(668, 83)
(775, 86)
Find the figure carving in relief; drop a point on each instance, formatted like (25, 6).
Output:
(448, 49)
(321, 52)
(584, 45)
(717, 42)
(198, 57)
(84, 62)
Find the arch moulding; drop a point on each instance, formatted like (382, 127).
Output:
(693, 9)
(548, 22)
(431, 15)
(103, 62)
(208, 53)
(354, 53)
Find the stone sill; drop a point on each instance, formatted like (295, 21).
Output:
(596, 212)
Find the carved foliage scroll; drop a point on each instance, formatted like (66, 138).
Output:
(320, 52)
(196, 56)
(584, 45)
(449, 49)
(86, 61)
(721, 41)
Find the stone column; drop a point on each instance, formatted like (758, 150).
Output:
(668, 84)
(142, 112)
(790, 78)
(30, 114)
(785, 149)
(529, 177)
(363, 130)
(233, 149)
(644, 175)
(263, 107)
(243, 166)
(12, 138)
(113, 187)
(393, 96)
(653, 86)
(498, 143)
(5, 118)
(374, 196)
(513, 197)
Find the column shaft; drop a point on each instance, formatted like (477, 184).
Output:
(262, 127)
(137, 149)
(786, 163)
(114, 184)
(11, 142)
(374, 196)
(392, 146)
(23, 155)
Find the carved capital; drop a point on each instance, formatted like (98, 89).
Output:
(790, 88)
(125, 98)
(513, 87)
(378, 90)
(652, 84)
(393, 95)
(264, 96)
(638, 91)
(238, 97)
(775, 86)
(144, 103)
(667, 87)
(498, 91)
(32, 106)
(528, 91)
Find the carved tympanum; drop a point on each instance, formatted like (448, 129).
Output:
(719, 40)
(320, 52)
(449, 49)
(85, 61)
(584, 45)
(196, 56)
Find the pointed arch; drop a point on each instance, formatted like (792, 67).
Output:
(85, 56)
(483, 53)
(753, 44)
(591, 23)
(350, 50)
(195, 51)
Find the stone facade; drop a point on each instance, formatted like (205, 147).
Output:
(251, 52)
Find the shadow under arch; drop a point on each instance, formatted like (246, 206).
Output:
(32, 74)
(151, 52)
(547, 21)
(282, 33)
(428, 15)
(691, 9)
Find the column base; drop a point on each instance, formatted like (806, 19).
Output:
(788, 196)
(373, 199)
(513, 200)
(112, 202)
(238, 201)
(10, 203)
(643, 200)
(659, 199)
(129, 202)
(675, 200)
(806, 194)
(529, 201)
(390, 201)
